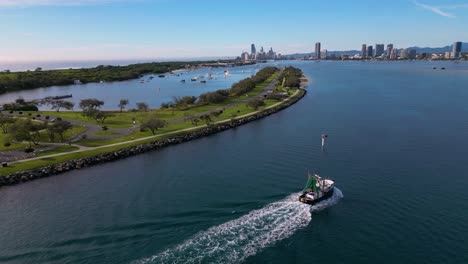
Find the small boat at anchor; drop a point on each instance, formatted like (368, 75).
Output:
(317, 189)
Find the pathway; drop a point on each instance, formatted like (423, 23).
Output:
(150, 137)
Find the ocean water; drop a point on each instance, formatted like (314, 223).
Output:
(397, 148)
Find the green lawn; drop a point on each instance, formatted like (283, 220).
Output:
(60, 149)
(105, 133)
(69, 134)
(4, 138)
(124, 120)
(13, 168)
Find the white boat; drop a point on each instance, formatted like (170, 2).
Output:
(317, 189)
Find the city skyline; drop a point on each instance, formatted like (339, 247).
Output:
(121, 29)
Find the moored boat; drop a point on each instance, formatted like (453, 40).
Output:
(317, 189)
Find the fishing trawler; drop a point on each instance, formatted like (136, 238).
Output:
(317, 189)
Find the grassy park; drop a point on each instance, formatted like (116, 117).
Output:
(59, 136)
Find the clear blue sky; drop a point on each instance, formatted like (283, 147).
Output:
(121, 29)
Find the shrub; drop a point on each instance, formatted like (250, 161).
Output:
(34, 118)
(29, 114)
(6, 144)
(47, 117)
(84, 136)
(11, 111)
(275, 96)
(28, 150)
(20, 112)
(213, 97)
(105, 128)
(256, 103)
(38, 115)
(59, 119)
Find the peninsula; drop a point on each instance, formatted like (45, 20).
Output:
(38, 144)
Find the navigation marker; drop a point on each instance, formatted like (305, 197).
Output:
(324, 136)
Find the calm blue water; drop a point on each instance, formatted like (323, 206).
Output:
(154, 92)
(397, 148)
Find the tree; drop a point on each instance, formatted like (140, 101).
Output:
(5, 121)
(38, 69)
(25, 130)
(195, 121)
(60, 127)
(256, 103)
(98, 115)
(90, 107)
(153, 124)
(142, 106)
(20, 101)
(101, 116)
(91, 103)
(207, 119)
(122, 104)
(184, 101)
(57, 104)
(217, 113)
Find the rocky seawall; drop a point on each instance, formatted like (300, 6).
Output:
(47, 171)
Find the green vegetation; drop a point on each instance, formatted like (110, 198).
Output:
(239, 88)
(291, 77)
(14, 81)
(178, 117)
(60, 149)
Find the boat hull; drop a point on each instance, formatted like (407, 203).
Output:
(327, 195)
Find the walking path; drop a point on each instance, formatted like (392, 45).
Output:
(82, 149)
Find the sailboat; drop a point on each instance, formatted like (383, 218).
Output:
(317, 189)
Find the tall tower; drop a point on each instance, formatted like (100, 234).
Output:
(379, 50)
(364, 51)
(253, 50)
(370, 52)
(389, 50)
(456, 49)
(317, 50)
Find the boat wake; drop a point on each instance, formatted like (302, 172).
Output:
(234, 241)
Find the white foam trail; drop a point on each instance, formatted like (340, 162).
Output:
(234, 241)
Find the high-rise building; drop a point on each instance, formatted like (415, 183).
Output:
(379, 50)
(389, 50)
(456, 49)
(394, 54)
(412, 54)
(317, 50)
(404, 54)
(271, 54)
(324, 54)
(370, 52)
(364, 51)
(253, 50)
(245, 56)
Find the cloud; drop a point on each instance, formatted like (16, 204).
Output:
(29, 3)
(435, 9)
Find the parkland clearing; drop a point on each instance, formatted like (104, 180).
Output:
(36, 144)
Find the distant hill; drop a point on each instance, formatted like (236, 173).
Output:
(418, 50)
(439, 50)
